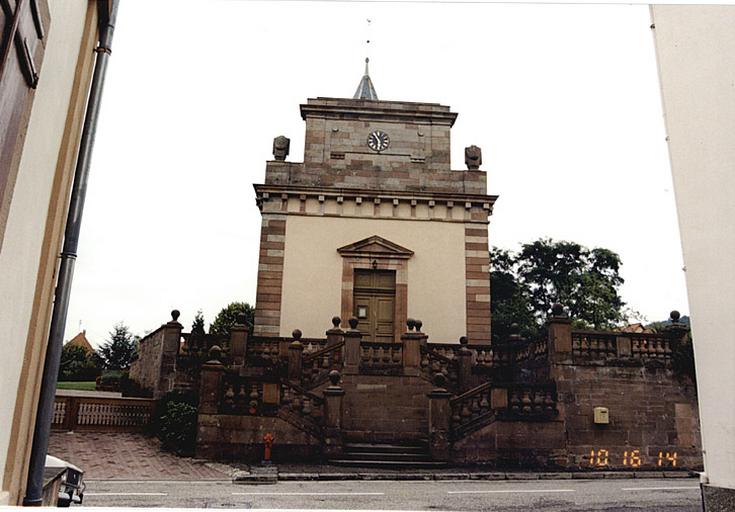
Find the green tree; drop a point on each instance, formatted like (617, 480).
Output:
(509, 302)
(78, 364)
(227, 317)
(119, 350)
(197, 327)
(585, 281)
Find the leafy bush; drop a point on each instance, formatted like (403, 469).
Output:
(128, 387)
(110, 378)
(78, 364)
(175, 422)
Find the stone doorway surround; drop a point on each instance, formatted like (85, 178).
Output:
(376, 253)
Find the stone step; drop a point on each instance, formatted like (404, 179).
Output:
(385, 448)
(388, 464)
(387, 456)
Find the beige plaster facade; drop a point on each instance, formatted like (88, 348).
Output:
(695, 48)
(313, 270)
(33, 233)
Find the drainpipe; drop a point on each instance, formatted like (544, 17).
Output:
(107, 10)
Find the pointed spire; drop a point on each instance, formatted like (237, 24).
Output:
(365, 90)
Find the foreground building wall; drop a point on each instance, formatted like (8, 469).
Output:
(35, 201)
(695, 48)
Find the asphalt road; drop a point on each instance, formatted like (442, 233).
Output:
(679, 495)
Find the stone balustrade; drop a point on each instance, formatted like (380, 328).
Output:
(616, 346)
(377, 357)
(434, 362)
(247, 396)
(537, 401)
(263, 352)
(317, 364)
(491, 401)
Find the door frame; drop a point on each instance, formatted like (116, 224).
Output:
(376, 253)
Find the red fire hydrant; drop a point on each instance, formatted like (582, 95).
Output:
(268, 444)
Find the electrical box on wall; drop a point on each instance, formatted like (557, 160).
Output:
(602, 416)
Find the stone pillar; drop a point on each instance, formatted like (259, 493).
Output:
(439, 416)
(239, 341)
(169, 351)
(334, 335)
(560, 334)
(295, 358)
(283, 344)
(464, 364)
(677, 331)
(333, 410)
(352, 348)
(411, 341)
(210, 380)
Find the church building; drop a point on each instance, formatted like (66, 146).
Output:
(374, 224)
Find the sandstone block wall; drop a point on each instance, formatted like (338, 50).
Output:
(653, 418)
(514, 444)
(385, 408)
(146, 370)
(222, 436)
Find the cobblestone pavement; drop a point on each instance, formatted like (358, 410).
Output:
(126, 456)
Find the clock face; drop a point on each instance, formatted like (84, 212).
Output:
(378, 141)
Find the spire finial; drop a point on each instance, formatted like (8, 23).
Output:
(365, 89)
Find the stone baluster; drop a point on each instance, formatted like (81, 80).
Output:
(295, 357)
(560, 334)
(239, 341)
(333, 410)
(464, 362)
(352, 348)
(411, 341)
(210, 380)
(439, 418)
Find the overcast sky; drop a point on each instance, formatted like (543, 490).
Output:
(562, 99)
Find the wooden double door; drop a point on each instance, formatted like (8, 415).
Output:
(375, 304)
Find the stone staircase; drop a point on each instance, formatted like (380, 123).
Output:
(387, 456)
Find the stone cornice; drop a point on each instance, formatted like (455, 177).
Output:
(337, 108)
(484, 201)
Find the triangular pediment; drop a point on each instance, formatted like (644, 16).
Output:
(376, 247)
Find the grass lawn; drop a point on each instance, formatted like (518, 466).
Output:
(84, 386)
